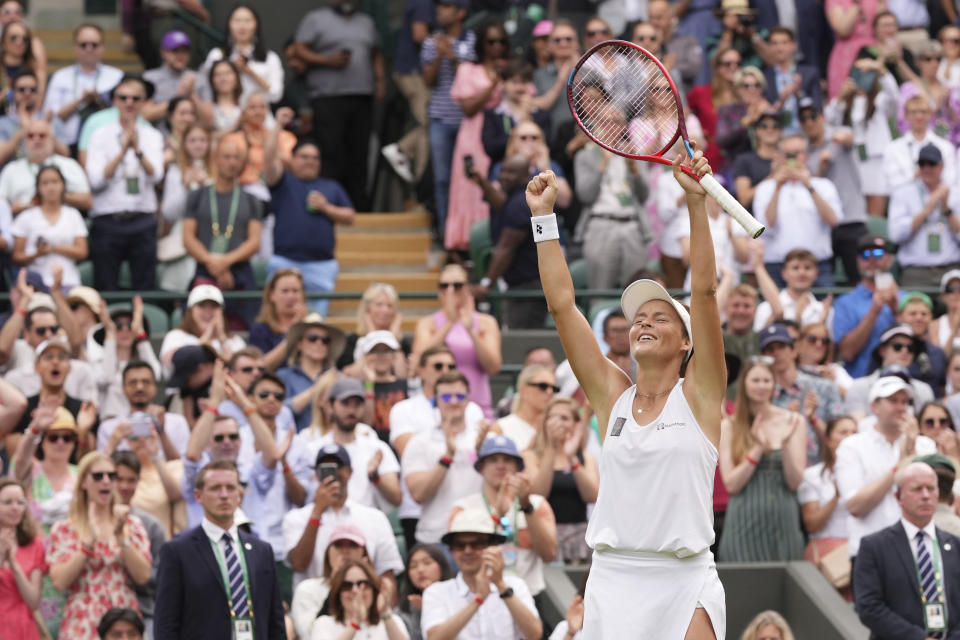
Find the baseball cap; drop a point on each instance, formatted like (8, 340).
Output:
(886, 386)
(776, 116)
(186, 360)
(335, 451)
(774, 333)
(807, 102)
(542, 29)
(894, 331)
(641, 292)
(204, 292)
(54, 342)
(953, 274)
(930, 153)
(174, 40)
(381, 336)
(473, 521)
(498, 444)
(937, 460)
(916, 296)
(347, 387)
(348, 531)
(873, 241)
(88, 296)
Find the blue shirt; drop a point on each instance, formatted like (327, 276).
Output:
(848, 310)
(442, 106)
(296, 382)
(407, 59)
(302, 235)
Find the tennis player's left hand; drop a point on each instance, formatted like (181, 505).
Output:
(698, 165)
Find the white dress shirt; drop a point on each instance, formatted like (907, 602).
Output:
(862, 459)
(363, 447)
(900, 158)
(110, 194)
(913, 250)
(492, 621)
(799, 224)
(270, 69)
(18, 180)
(68, 84)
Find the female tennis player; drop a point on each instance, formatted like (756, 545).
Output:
(653, 576)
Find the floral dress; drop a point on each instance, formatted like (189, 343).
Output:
(104, 582)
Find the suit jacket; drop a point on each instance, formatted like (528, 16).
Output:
(887, 591)
(809, 87)
(192, 600)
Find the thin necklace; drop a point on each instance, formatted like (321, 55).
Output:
(652, 396)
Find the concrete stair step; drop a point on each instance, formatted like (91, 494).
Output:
(382, 260)
(413, 282)
(408, 219)
(405, 241)
(53, 37)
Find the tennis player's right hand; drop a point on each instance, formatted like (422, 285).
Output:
(542, 193)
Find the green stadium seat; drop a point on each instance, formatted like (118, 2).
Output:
(259, 271)
(86, 273)
(578, 272)
(599, 306)
(481, 247)
(398, 532)
(176, 317)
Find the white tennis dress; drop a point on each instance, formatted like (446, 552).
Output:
(652, 527)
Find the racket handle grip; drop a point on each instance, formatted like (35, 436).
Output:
(731, 206)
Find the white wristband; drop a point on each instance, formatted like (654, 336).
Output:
(545, 228)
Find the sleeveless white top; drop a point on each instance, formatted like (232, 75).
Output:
(656, 482)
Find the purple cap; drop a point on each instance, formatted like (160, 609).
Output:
(174, 40)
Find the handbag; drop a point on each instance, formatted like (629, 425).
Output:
(835, 565)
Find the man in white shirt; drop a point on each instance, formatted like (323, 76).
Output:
(438, 464)
(124, 165)
(923, 224)
(18, 180)
(525, 520)
(378, 485)
(419, 413)
(867, 461)
(798, 209)
(81, 89)
(480, 603)
(306, 531)
(900, 157)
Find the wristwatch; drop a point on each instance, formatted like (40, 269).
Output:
(507, 593)
(527, 509)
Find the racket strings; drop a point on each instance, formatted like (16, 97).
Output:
(624, 100)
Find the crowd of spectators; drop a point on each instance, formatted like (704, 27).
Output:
(372, 474)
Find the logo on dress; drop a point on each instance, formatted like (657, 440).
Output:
(669, 425)
(618, 426)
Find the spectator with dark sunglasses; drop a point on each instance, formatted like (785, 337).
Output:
(360, 602)
(536, 386)
(26, 107)
(313, 347)
(895, 355)
(816, 355)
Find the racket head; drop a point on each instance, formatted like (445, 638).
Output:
(624, 99)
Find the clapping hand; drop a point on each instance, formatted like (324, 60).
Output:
(374, 462)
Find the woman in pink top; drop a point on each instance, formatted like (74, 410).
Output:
(21, 564)
(473, 337)
(852, 24)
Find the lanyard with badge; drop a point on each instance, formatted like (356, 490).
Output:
(221, 242)
(935, 613)
(933, 235)
(509, 529)
(242, 627)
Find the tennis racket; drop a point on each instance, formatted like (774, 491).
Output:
(624, 100)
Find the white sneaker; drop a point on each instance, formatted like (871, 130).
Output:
(398, 160)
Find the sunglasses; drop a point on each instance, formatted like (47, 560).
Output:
(250, 369)
(89, 45)
(453, 397)
(934, 422)
(127, 98)
(927, 163)
(446, 285)
(899, 346)
(440, 366)
(42, 331)
(348, 585)
(460, 545)
(313, 337)
(67, 438)
(278, 395)
(647, 38)
(562, 39)
(820, 340)
(220, 437)
(100, 475)
(544, 386)
(593, 33)
(501, 41)
(866, 254)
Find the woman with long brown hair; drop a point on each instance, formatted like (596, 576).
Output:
(16, 51)
(360, 602)
(566, 475)
(816, 355)
(21, 563)
(762, 458)
(99, 552)
(283, 305)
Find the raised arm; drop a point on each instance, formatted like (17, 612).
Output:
(601, 379)
(706, 375)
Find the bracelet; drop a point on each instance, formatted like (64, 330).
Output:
(314, 521)
(478, 600)
(368, 396)
(752, 461)
(368, 385)
(212, 409)
(575, 466)
(374, 477)
(286, 468)
(87, 552)
(446, 461)
(354, 626)
(22, 312)
(545, 228)
(142, 335)
(249, 411)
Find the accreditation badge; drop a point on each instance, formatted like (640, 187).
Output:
(242, 629)
(936, 617)
(133, 186)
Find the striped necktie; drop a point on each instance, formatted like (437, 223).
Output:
(928, 578)
(237, 584)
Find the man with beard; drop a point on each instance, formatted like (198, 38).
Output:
(307, 530)
(861, 316)
(342, 49)
(379, 484)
